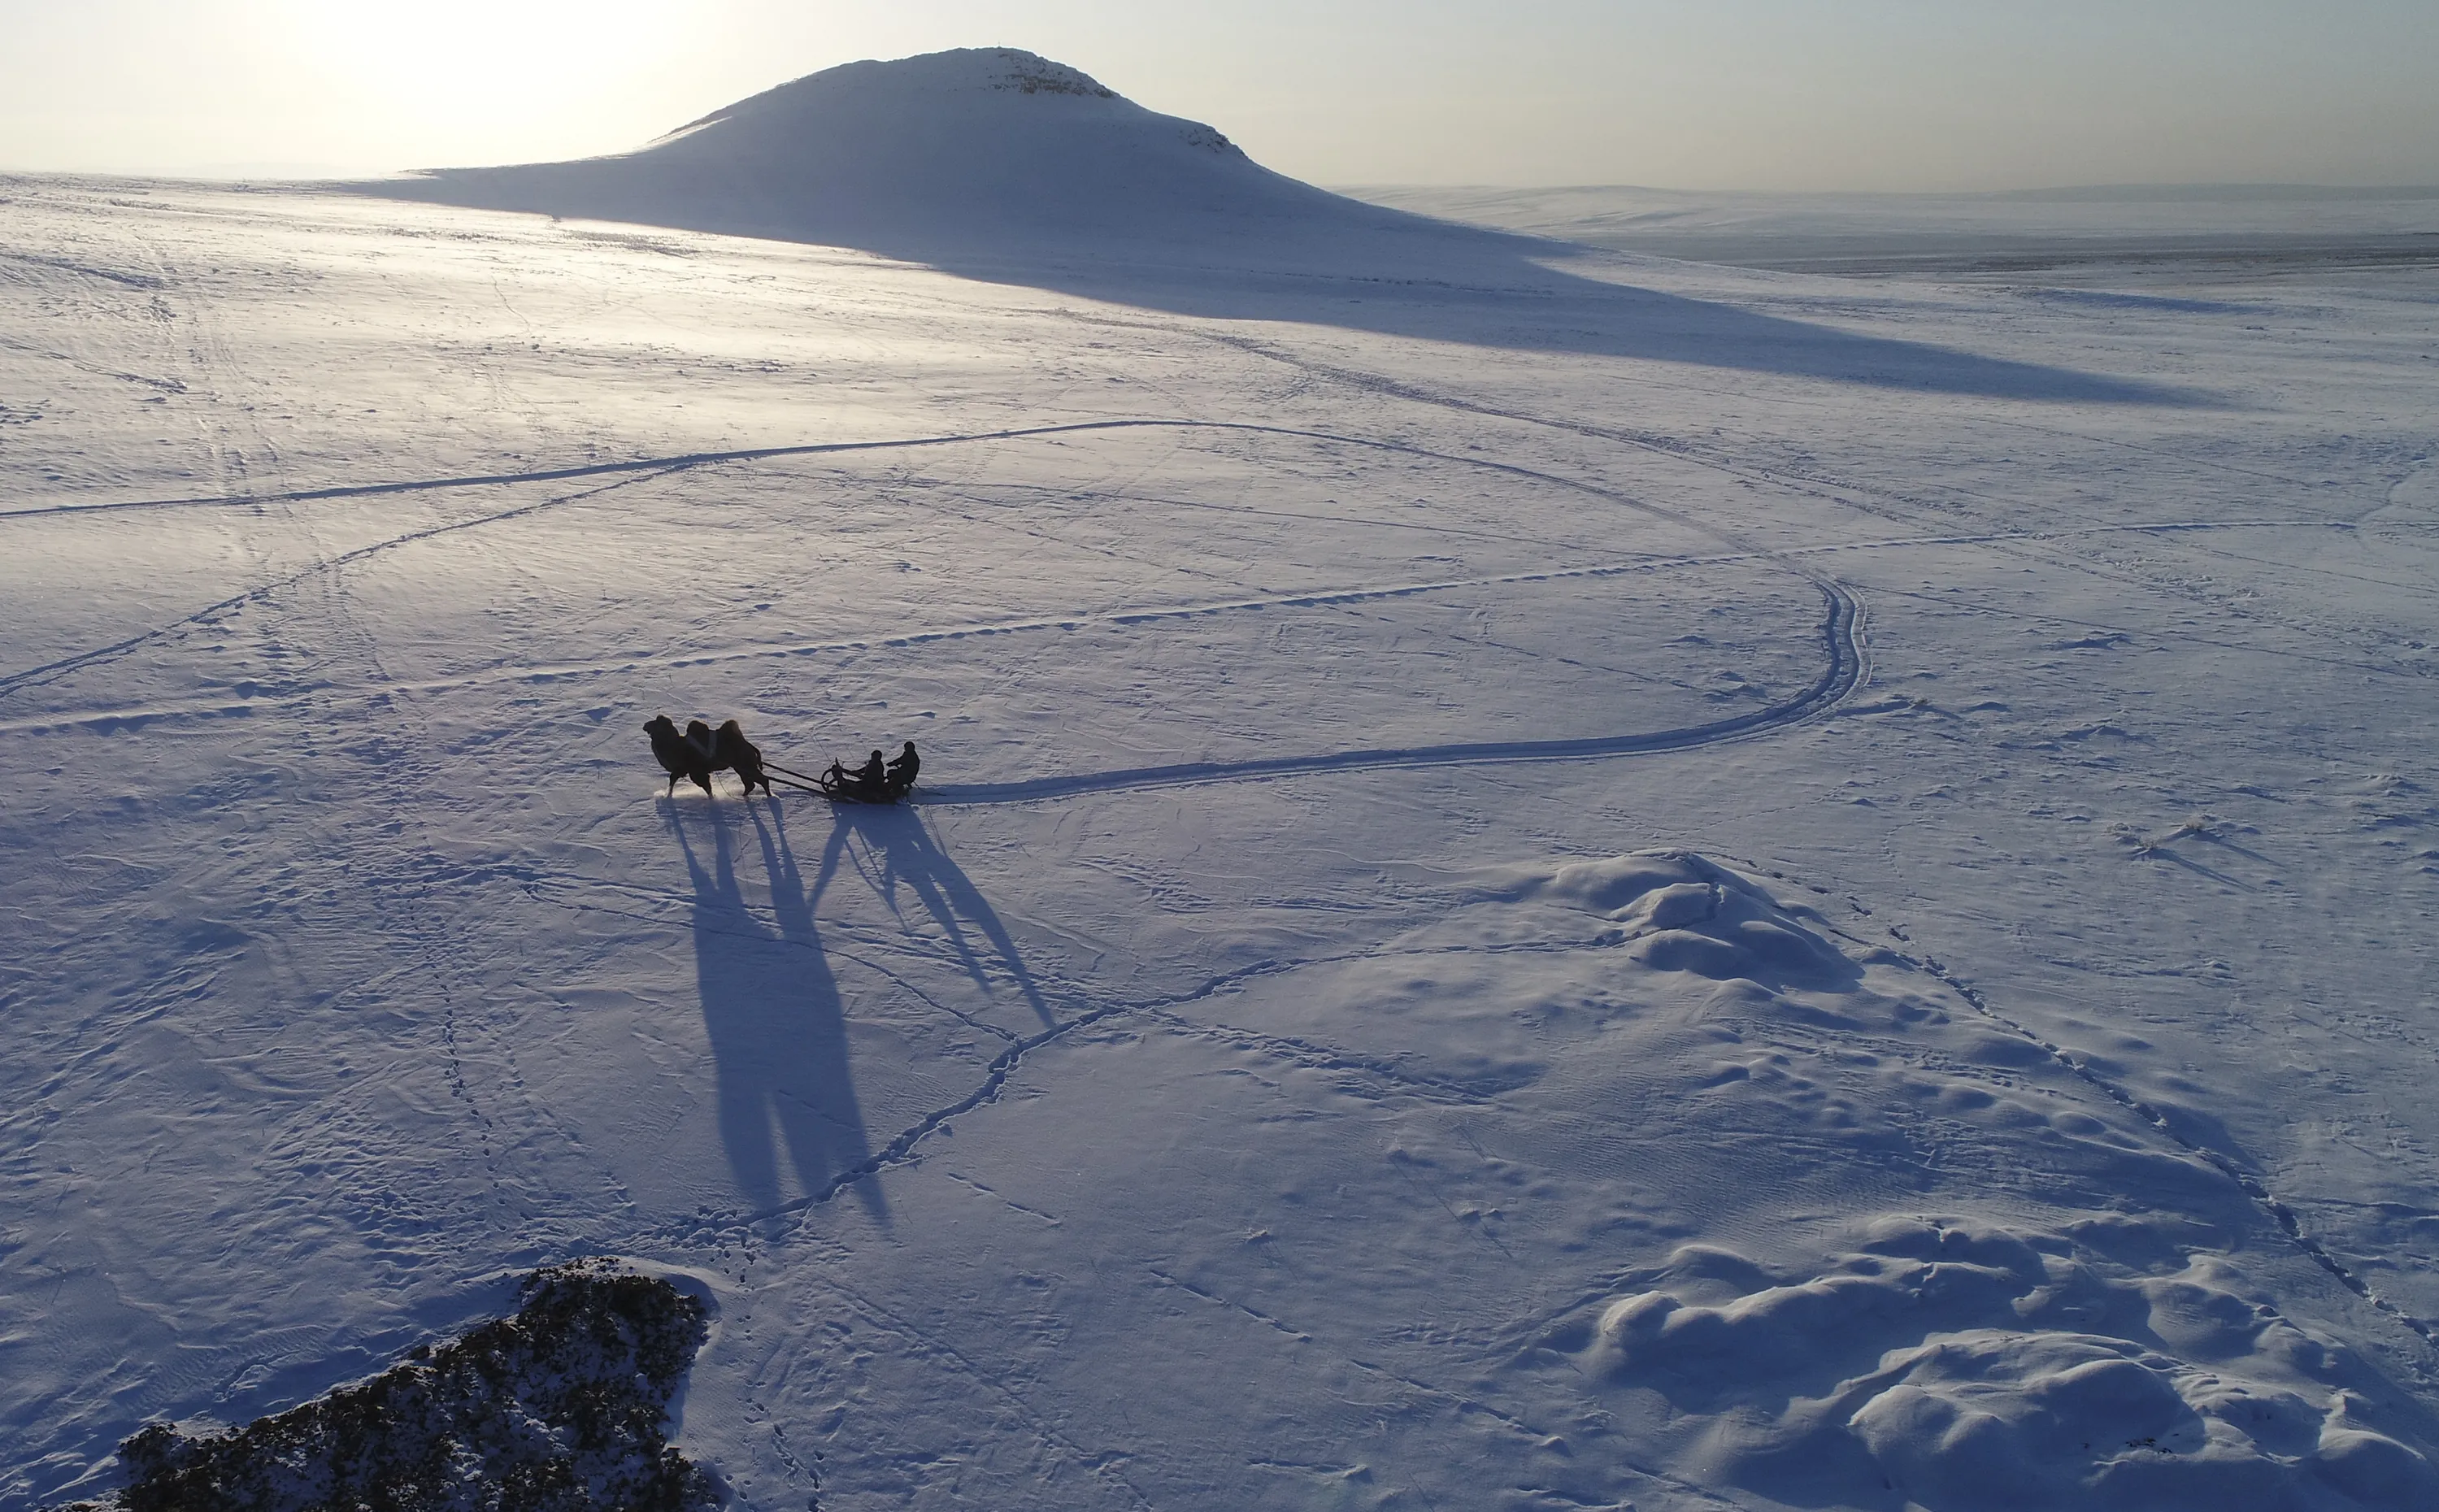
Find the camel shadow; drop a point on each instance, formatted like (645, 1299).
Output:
(776, 1025)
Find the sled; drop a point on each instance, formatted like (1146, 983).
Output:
(845, 788)
(854, 790)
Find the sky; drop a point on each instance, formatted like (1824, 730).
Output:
(1796, 95)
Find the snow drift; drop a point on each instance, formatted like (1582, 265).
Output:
(1973, 1366)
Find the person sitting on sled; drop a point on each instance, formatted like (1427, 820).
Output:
(903, 770)
(873, 773)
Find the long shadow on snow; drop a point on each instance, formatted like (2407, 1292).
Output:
(903, 850)
(1520, 301)
(777, 1027)
(1332, 261)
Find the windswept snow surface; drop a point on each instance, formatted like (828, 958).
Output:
(2107, 233)
(1502, 918)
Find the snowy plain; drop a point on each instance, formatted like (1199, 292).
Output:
(1548, 878)
(2197, 233)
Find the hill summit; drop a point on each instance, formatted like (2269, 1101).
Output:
(989, 144)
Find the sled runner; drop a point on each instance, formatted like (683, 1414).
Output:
(846, 787)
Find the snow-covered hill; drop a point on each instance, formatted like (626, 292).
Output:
(995, 163)
(994, 148)
(1745, 891)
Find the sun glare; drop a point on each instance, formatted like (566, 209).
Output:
(504, 63)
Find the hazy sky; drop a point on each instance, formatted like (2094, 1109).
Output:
(1702, 94)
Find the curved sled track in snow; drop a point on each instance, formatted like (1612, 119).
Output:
(1842, 635)
(1845, 650)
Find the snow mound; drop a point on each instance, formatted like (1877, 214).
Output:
(1678, 911)
(1967, 1364)
(990, 143)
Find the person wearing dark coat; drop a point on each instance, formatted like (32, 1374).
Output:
(873, 773)
(902, 770)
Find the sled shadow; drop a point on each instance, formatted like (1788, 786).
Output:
(1315, 259)
(901, 854)
(776, 1025)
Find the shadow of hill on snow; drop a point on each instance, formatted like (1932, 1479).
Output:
(1002, 166)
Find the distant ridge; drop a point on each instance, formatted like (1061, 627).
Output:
(2216, 193)
(993, 144)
